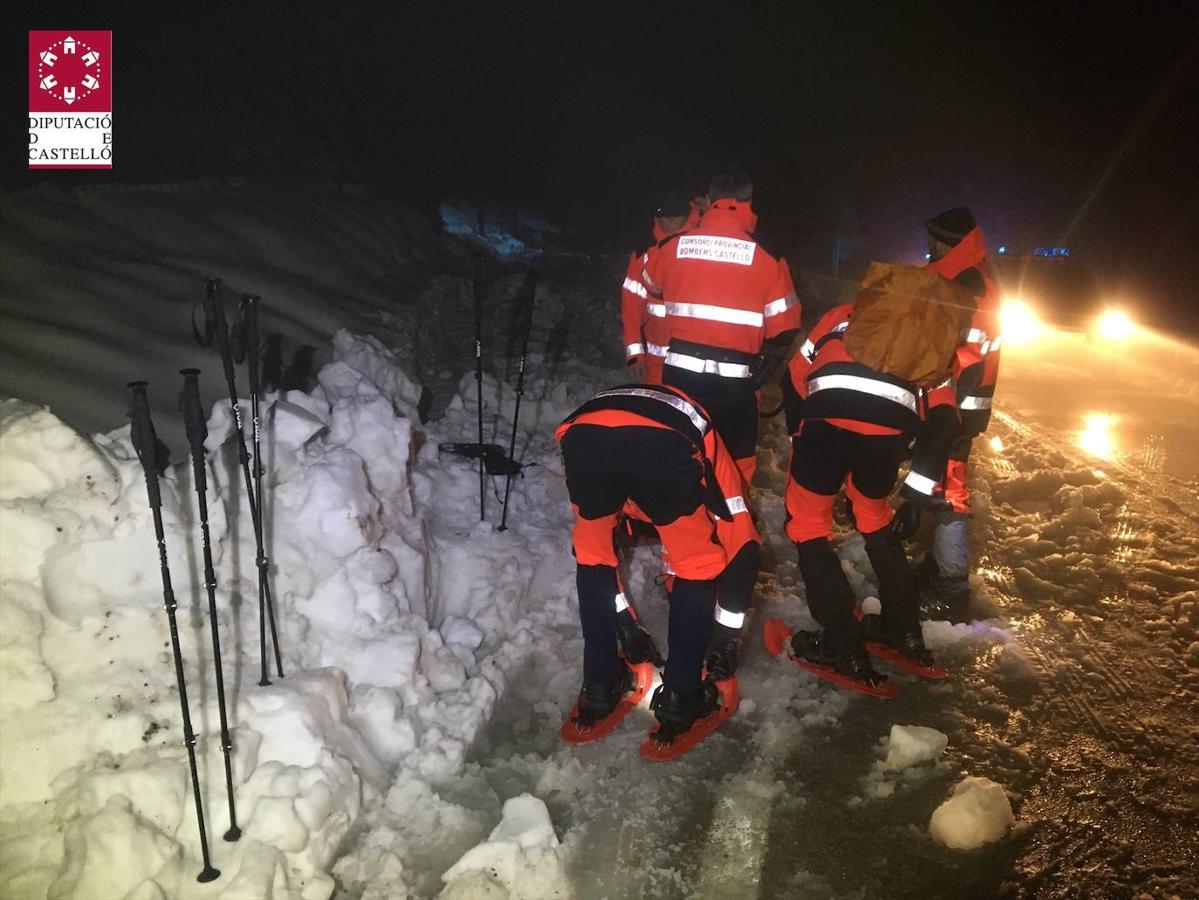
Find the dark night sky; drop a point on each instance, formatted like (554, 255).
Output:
(869, 116)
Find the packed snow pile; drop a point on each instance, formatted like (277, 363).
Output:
(519, 860)
(401, 618)
(978, 813)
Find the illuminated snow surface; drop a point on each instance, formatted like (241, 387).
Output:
(412, 748)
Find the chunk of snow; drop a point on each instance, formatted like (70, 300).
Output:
(519, 859)
(910, 745)
(978, 813)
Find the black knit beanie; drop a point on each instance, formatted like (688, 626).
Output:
(952, 225)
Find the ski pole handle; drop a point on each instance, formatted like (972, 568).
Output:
(145, 441)
(193, 422)
(249, 335)
(214, 305)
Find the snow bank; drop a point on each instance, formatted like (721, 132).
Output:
(519, 859)
(401, 618)
(978, 813)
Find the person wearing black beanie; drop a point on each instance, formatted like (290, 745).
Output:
(958, 251)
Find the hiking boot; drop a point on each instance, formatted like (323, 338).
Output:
(945, 597)
(808, 646)
(909, 643)
(677, 712)
(598, 698)
(721, 661)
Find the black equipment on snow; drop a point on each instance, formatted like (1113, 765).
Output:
(216, 325)
(522, 313)
(197, 433)
(145, 443)
(480, 285)
(248, 318)
(495, 460)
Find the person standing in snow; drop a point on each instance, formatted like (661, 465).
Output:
(852, 426)
(958, 251)
(655, 447)
(729, 311)
(644, 344)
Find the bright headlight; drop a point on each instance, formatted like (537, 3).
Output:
(1019, 321)
(1114, 325)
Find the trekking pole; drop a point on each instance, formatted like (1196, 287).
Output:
(145, 442)
(197, 433)
(249, 333)
(480, 290)
(216, 325)
(525, 296)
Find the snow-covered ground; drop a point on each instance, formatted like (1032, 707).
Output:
(430, 657)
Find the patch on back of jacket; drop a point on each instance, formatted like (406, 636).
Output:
(716, 249)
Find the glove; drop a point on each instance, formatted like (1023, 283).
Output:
(636, 643)
(906, 521)
(907, 518)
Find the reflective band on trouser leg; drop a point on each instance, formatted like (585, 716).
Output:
(956, 490)
(634, 350)
(975, 403)
(622, 602)
(729, 619)
(809, 515)
(592, 540)
(689, 546)
(870, 513)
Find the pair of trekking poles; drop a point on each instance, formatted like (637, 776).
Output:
(154, 459)
(491, 456)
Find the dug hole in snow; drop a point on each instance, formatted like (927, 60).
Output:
(978, 813)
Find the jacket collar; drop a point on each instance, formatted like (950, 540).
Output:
(966, 253)
(726, 213)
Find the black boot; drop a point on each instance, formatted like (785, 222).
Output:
(598, 697)
(721, 661)
(677, 712)
(897, 591)
(910, 643)
(807, 645)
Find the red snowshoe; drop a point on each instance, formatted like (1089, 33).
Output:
(680, 730)
(581, 728)
(778, 639)
(908, 654)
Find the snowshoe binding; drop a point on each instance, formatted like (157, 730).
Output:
(602, 706)
(906, 651)
(850, 671)
(686, 719)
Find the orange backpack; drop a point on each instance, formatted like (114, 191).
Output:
(907, 322)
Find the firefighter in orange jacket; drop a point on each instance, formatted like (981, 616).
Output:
(644, 346)
(729, 312)
(656, 447)
(852, 426)
(958, 251)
